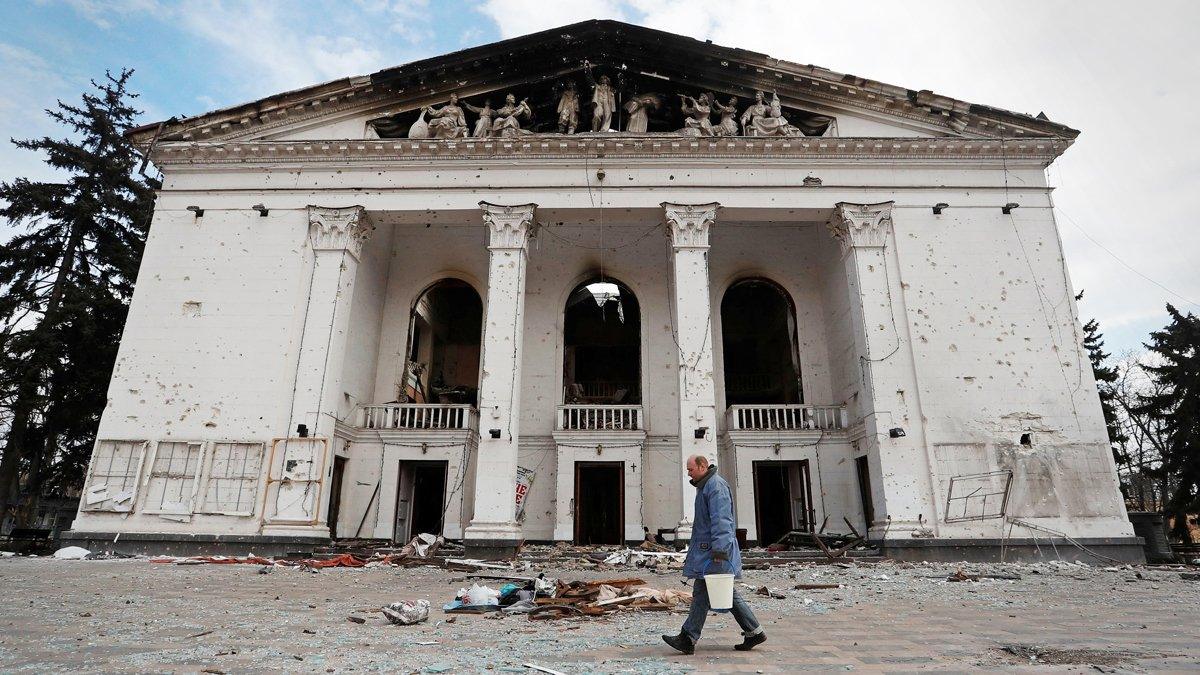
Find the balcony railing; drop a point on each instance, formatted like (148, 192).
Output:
(585, 417)
(418, 416)
(786, 417)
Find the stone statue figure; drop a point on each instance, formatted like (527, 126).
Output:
(761, 119)
(728, 125)
(639, 107)
(483, 126)
(604, 100)
(420, 128)
(507, 124)
(568, 109)
(697, 122)
(447, 121)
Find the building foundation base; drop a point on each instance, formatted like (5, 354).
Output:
(1099, 550)
(178, 544)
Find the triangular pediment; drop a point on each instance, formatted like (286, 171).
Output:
(638, 61)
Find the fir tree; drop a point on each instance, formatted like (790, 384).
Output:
(1106, 378)
(65, 282)
(1178, 406)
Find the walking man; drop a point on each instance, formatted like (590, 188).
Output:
(713, 550)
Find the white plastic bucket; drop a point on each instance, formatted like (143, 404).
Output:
(720, 590)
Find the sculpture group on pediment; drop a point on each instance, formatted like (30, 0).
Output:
(611, 107)
(762, 119)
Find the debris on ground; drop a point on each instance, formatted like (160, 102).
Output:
(960, 575)
(72, 553)
(659, 560)
(767, 592)
(407, 613)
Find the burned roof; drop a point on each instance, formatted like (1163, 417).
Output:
(546, 56)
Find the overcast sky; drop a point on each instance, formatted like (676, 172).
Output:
(1125, 74)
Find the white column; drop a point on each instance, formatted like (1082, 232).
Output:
(336, 236)
(899, 467)
(692, 304)
(494, 531)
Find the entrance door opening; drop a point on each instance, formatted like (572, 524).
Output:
(599, 503)
(602, 339)
(758, 335)
(335, 495)
(782, 499)
(420, 499)
(864, 489)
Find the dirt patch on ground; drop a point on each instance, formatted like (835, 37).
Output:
(1034, 654)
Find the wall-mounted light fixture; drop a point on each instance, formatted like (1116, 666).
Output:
(937, 208)
(302, 430)
(896, 432)
(196, 210)
(494, 433)
(701, 432)
(262, 210)
(1007, 208)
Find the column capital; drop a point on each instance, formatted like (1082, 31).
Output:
(861, 225)
(508, 226)
(689, 223)
(338, 229)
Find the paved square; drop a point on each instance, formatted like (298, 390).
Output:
(135, 616)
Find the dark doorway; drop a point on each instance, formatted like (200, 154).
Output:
(758, 339)
(420, 499)
(599, 503)
(864, 489)
(335, 495)
(782, 499)
(602, 345)
(445, 331)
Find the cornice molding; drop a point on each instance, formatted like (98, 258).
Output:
(689, 223)
(338, 229)
(1044, 150)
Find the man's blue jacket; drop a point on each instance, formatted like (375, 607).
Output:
(713, 548)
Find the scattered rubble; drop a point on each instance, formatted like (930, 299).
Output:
(407, 613)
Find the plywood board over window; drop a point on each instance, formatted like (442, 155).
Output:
(112, 481)
(174, 477)
(235, 472)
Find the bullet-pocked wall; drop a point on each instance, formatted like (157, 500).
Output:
(209, 347)
(1004, 383)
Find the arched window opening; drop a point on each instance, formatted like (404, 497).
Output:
(762, 359)
(445, 331)
(602, 344)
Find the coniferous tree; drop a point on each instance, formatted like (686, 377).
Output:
(65, 282)
(1106, 378)
(1178, 407)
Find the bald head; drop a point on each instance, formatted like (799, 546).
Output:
(697, 466)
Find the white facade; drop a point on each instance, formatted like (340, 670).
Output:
(958, 328)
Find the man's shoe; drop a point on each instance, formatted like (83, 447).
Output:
(682, 642)
(750, 642)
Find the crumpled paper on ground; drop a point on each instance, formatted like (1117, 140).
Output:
(407, 613)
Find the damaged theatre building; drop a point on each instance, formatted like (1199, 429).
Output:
(504, 293)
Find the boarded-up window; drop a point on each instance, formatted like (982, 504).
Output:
(113, 476)
(233, 478)
(174, 473)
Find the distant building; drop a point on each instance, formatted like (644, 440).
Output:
(367, 310)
